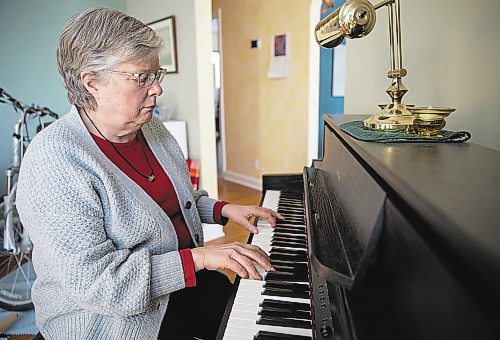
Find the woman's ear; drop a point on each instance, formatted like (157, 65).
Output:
(90, 82)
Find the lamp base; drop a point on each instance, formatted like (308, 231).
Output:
(394, 117)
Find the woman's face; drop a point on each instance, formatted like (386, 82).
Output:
(122, 106)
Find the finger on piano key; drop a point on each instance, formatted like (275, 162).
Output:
(262, 272)
(270, 201)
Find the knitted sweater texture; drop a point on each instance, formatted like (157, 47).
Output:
(105, 253)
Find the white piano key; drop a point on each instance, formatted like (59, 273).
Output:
(270, 201)
(248, 329)
(236, 337)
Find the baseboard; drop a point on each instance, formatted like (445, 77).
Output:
(240, 179)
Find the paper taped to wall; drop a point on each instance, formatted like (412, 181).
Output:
(279, 65)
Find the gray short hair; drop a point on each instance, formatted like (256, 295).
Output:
(98, 39)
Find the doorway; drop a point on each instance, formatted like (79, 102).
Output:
(218, 90)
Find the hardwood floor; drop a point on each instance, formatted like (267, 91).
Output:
(237, 194)
(229, 192)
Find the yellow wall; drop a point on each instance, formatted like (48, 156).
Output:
(265, 119)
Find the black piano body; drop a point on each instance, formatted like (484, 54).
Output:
(403, 239)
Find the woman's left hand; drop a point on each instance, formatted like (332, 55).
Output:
(242, 213)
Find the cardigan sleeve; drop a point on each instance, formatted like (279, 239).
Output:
(60, 207)
(218, 218)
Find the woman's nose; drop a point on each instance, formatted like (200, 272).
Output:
(155, 89)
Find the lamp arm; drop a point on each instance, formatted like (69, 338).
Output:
(354, 19)
(382, 4)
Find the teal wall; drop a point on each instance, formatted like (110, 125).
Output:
(29, 33)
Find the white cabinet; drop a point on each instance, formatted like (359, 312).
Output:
(178, 129)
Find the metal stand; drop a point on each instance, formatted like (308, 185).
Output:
(396, 115)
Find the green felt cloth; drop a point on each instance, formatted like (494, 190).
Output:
(357, 130)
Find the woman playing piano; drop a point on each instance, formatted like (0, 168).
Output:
(106, 197)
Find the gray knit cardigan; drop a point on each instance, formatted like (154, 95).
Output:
(105, 254)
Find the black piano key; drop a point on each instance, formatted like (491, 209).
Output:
(285, 293)
(286, 251)
(294, 198)
(288, 257)
(280, 276)
(290, 226)
(271, 321)
(293, 272)
(282, 239)
(288, 231)
(285, 272)
(291, 211)
(290, 216)
(290, 221)
(294, 217)
(265, 335)
(291, 200)
(284, 231)
(295, 245)
(291, 238)
(291, 268)
(285, 234)
(288, 263)
(291, 196)
(285, 305)
(296, 208)
(291, 205)
(296, 287)
(287, 309)
(300, 315)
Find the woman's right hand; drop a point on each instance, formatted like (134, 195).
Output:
(237, 257)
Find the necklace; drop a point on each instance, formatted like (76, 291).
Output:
(151, 176)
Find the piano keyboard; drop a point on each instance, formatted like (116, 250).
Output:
(278, 307)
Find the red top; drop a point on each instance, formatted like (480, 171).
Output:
(161, 191)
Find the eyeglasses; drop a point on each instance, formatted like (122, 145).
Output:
(145, 79)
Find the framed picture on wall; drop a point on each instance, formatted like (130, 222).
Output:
(165, 28)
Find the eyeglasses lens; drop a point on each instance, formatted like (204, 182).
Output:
(147, 79)
(144, 79)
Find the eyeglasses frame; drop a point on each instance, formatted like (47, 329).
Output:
(160, 73)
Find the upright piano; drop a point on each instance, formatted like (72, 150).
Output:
(380, 241)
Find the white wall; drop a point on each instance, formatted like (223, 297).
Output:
(191, 89)
(451, 51)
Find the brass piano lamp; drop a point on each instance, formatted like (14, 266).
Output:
(356, 19)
